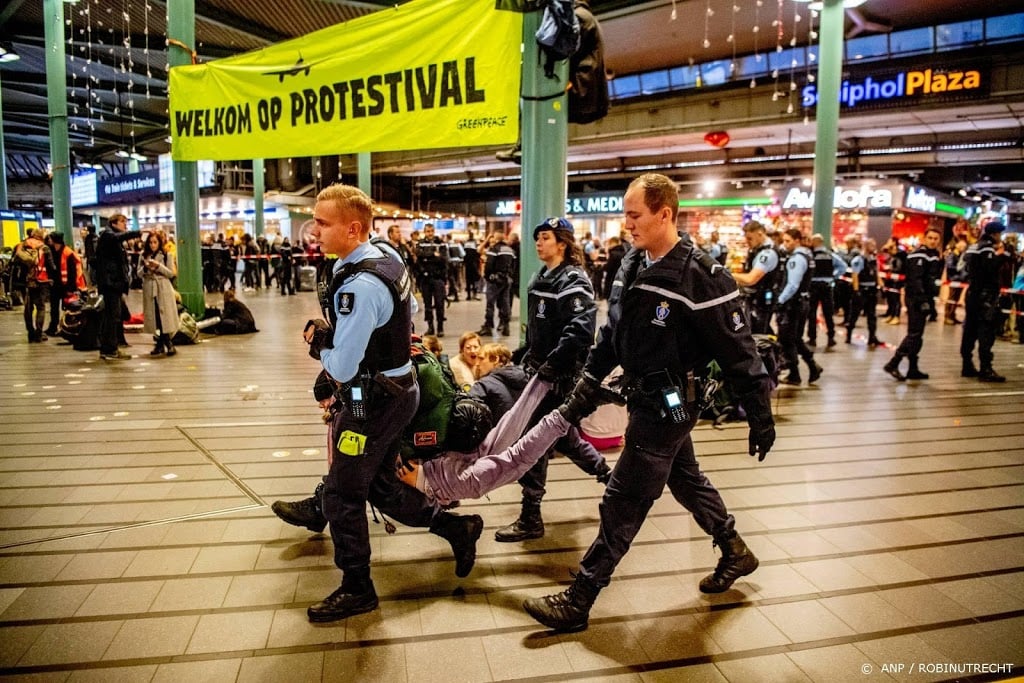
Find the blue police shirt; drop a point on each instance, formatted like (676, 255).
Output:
(795, 269)
(371, 308)
(838, 266)
(857, 264)
(767, 259)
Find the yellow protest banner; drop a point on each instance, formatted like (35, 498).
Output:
(430, 73)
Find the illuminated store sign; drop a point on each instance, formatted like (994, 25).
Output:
(131, 187)
(579, 204)
(903, 85)
(844, 198)
(919, 199)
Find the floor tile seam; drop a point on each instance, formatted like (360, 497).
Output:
(894, 424)
(204, 515)
(582, 478)
(206, 453)
(334, 646)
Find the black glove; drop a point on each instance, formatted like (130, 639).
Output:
(547, 372)
(762, 436)
(582, 401)
(323, 337)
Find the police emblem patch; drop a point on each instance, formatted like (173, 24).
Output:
(577, 304)
(737, 321)
(346, 302)
(541, 307)
(660, 313)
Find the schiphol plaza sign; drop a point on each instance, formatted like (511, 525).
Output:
(910, 85)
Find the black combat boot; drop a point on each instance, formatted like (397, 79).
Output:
(527, 527)
(462, 531)
(568, 611)
(486, 331)
(505, 330)
(815, 373)
(915, 372)
(968, 369)
(355, 596)
(306, 513)
(893, 368)
(987, 374)
(169, 345)
(736, 561)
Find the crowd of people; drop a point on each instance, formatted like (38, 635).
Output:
(82, 297)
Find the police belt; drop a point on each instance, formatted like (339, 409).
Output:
(646, 390)
(376, 385)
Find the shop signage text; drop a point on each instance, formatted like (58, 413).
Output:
(605, 203)
(129, 187)
(919, 199)
(844, 198)
(904, 84)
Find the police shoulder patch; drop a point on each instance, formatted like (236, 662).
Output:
(346, 303)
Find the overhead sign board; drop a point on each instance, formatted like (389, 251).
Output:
(426, 74)
(895, 88)
(845, 198)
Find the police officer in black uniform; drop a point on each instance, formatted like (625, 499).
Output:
(499, 273)
(827, 267)
(864, 297)
(673, 309)
(983, 261)
(561, 319)
(432, 266)
(793, 305)
(759, 279)
(893, 277)
(924, 268)
(365, 349)
(472, 264)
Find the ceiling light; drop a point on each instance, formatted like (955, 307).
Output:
(123, 153)
(7, 53)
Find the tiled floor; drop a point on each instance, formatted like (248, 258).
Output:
(136, 543)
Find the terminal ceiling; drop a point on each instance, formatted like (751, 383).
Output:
(113, 102)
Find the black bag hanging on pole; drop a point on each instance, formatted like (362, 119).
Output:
(559, 33)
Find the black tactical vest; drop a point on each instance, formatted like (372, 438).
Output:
(823, 264)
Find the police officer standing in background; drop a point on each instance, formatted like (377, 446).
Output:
(432, 265)
(758, 278)
(793, 305)
(827, 267)
(562, 317)
(983, 263)
(673, 309)
(924, 268)
(864, 298)
(365, 348)
(498, 271)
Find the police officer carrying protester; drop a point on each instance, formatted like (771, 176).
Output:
(562, 317)
(432, 265)
(793, 305)
(673, 309)
(983, 262)
(924, 268)
(758, 278)
(827, 267)
(499, 272)
(365, 348)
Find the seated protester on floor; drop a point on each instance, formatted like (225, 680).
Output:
(235, 318)
(463, 365)
(501, 458)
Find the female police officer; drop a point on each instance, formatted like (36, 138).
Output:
(365, 348)
(559, 333)
(672, 310)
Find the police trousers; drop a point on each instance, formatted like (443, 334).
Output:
(821, 295)
(498, 296)
(433, 290)
(981, 323)
(656, 452)
(354, 479)
(864, 301)
(791, 317)
(917, 318)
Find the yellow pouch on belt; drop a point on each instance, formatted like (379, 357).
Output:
(351, 443)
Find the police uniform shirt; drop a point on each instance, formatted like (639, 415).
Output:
(767, 259)
(924, 266)
(857, 263)
(562, 316)
(677, 314)
(363, 303)
(796, 268)
(983, 264)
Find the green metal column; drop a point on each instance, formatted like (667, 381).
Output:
(3, 159)
(181, 26)
(365, 172)
(830, 73)
(57, 108)
(545, 134)
(258, 188)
